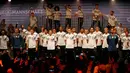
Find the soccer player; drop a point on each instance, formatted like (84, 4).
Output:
(49, 16)
(75, 36)
(61, 41)
(91, 42)
(85, 41)
(70, 41)
(51, 42)
(33, 20)
(120, 29)
(16, 42)
(104, 53)
(68, 16)
(43, 43)
(80, 16)
(96, 14)
(98, 41)
(57, 15)
(112, 41)
(3, 42)
(80, 37)
(32, 44)
(126, 44)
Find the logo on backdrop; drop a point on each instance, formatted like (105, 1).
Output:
(128, 19)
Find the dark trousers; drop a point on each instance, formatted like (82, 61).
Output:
(51, 53)
(32, 53)
(80, 23)
(68, 22)
(98, 52)
(125, 54)
(90, 52)
(114, 55)
(97, 23)
(104, 56)
(57, 24)
(16, 52)
(78, 50)
(49, 24)
(70, 56)
(42, 52)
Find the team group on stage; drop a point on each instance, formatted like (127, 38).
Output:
(68, 44)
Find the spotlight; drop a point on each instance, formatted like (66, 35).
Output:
(9, 0)
(78, 0)
(42, 0)
(112, 0)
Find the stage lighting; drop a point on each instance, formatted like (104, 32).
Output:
(112, 0)
(42, 0)
(9, 0)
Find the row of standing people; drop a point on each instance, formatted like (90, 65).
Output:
(49, 43)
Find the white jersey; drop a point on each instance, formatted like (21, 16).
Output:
(119, 30)
(33, 21)
(80, 37)
(31, 40)
(61, 38)
(98, 37)
(85, 41)
(57, 15)
(68, 13)
(104, 39)
(3, 42)
(91, 40)
(126, 43)
(96, 13)
(49, 13)
(51, 42)
(75, 36)
(70, 38)
(80, 13)
(112, 20)
(43, 39)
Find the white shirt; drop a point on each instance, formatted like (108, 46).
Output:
(98, 37)
(75, 36)
(68, 13)
(80, 37)
(80, 13)
(112, 20)
(51, 42)
(104, 39)
(49, 13)
(85, 41)
(61, 38)
(119, 30)
(91, 40)
(31, 40)
(43, 39)
(3, 42)
(125, 40)
(57, 15)
(70, 38)
(33, 21)
(96, 13)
